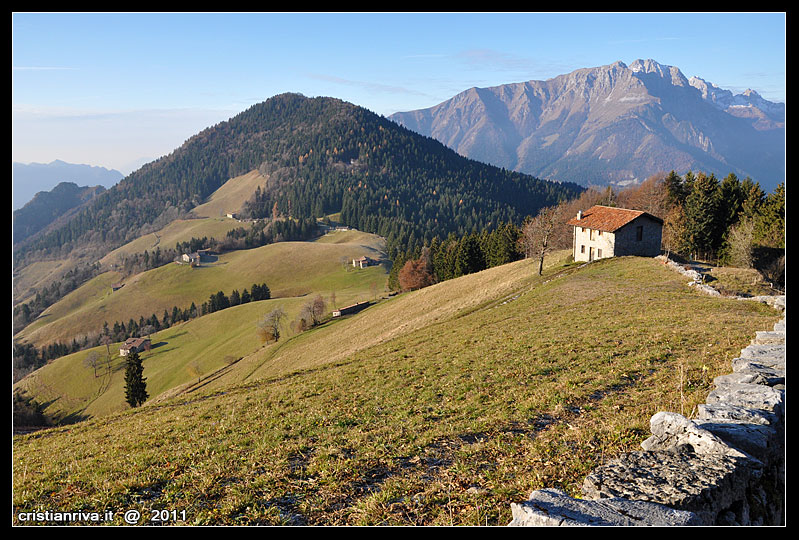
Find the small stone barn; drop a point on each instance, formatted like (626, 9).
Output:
(134, 345)
(604, 231)
(362, 262)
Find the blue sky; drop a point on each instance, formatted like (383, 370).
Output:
(115, 89)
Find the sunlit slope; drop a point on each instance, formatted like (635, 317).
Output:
(446, 422)
(70, 390)
(209, 221)
(181, 230)
(231, 196)
(399, 316)
(288, 268)
(25, 280)
(95, 294)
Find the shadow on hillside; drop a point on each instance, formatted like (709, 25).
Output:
(210, 377)
(73, 418)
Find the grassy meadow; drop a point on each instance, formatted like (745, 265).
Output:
(436, 407)
(290, 269)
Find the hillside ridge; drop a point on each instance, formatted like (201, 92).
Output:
(477, 409)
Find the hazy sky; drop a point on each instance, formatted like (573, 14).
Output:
(113, 89)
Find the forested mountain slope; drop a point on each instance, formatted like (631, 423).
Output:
(321, 155)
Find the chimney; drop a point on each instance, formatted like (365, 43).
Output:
(579, 214)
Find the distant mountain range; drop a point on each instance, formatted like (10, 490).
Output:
(31, 178)
(613, 124)
(49, 207)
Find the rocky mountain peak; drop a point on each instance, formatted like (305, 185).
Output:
(727, 101)
(612, 124)
(669, 73)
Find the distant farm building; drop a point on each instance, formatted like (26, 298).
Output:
(349, 310)
(603, 231)
(134, 345)
(363, 262)
(232, 215)
(191, 258)
(117, 286)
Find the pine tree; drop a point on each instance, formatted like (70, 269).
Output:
(468, 257)
(675, 191)
(703, 222)
(135, 383)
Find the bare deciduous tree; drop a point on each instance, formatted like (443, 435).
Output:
(318, 308)
(537, 233)
(195, 370)
(649, 196)
(741, 244)
(311, 314)
(268, 328)
(92, 360)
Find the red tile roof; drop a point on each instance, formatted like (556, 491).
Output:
(134, 342)
(607, 218)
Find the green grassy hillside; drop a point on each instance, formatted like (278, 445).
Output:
(231, 196)
(180, 230)
(289, 269)
(462, 398)
(210, 219)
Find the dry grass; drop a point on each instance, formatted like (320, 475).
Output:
(231, 196)
(447, 422)
(34, 276)
(290, 269)
(739, 281)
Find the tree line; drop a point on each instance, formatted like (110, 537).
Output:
(455, 256)
(730, 222)
(27, 357)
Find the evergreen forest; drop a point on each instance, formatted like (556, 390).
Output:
(322, 156)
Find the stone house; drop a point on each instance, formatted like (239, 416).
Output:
(362, 262)
(192, 258)
(134, 345)
(604, 231)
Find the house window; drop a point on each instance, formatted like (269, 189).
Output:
(582, 249)
(600, 233)
(598, 253)
(591, 234)
(639, 233)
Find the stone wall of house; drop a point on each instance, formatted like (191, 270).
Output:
(627, 242)
(622, 242)
(726, 467)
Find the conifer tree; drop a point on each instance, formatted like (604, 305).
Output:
(135, 383)
(703, 223)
